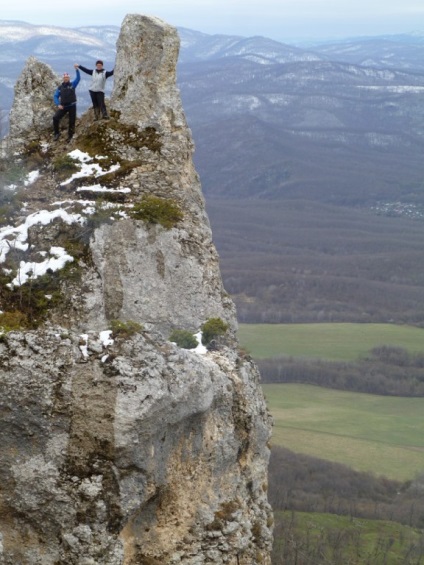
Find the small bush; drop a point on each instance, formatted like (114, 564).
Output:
(125, 329)
(10, 321)
(27, 305)
(184, 339)
(213, 328)
(155, 210)
(65, 165)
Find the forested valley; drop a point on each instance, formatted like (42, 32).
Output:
(301, 261)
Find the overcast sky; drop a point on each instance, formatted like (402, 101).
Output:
(278, 19)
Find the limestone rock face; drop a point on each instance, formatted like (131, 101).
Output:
(118, 446)
(145, 86)
(33, 105)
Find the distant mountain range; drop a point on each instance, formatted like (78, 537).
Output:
(269, 119)
(337, 124)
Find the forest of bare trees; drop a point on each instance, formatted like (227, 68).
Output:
(300, 262)
(386, 371)
(301, 483)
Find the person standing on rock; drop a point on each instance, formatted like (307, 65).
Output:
(97, 88)
(65, 99)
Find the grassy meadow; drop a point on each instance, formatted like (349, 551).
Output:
(380, 434)
(346, 342)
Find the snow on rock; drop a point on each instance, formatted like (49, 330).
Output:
(88, 169)
(16, 237)
(32, 270)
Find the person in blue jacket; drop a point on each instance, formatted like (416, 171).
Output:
(97, 88)
(65, 99)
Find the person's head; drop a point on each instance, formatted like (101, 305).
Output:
(66, 77)
(99, 65)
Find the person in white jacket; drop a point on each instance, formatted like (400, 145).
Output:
(97, 88)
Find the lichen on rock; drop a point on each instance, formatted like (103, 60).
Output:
(124, 449)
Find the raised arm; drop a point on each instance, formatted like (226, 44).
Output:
(84, 70)
(77, 78)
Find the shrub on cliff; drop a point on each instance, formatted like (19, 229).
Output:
(155, 210)
(213, 328)
(125, 329)
(10, 321)
(184, 339)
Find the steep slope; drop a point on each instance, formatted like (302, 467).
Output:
(119, 447)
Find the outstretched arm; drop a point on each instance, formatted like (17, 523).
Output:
(109, 73)
(77, 78)
(84, 70)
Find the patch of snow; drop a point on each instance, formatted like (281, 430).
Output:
(88, 169)
(200, 349)
(16, 237)
(31, 177)
(84, 347)
(105, 338)
(33, 270)
(81, 156)
(100, 188)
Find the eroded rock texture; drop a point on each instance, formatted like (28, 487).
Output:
(121, 449)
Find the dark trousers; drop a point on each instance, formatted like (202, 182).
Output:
(72, 111)
(98, 100)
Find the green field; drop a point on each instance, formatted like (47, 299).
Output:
(380, 434)
(346, 342)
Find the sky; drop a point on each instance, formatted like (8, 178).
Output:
(282, 20)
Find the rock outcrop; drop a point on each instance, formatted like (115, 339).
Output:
(118, 446)
(33, 104)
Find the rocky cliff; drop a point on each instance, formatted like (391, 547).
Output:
(118, 446)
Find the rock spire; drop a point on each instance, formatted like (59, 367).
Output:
(120, 447)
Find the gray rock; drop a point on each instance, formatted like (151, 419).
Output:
(136, 451)
(33, 108)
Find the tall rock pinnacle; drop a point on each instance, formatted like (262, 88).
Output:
(119, 447)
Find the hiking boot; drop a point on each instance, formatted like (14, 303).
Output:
(56, 136)
(70, 136)
(106, 117)
(96, 114)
